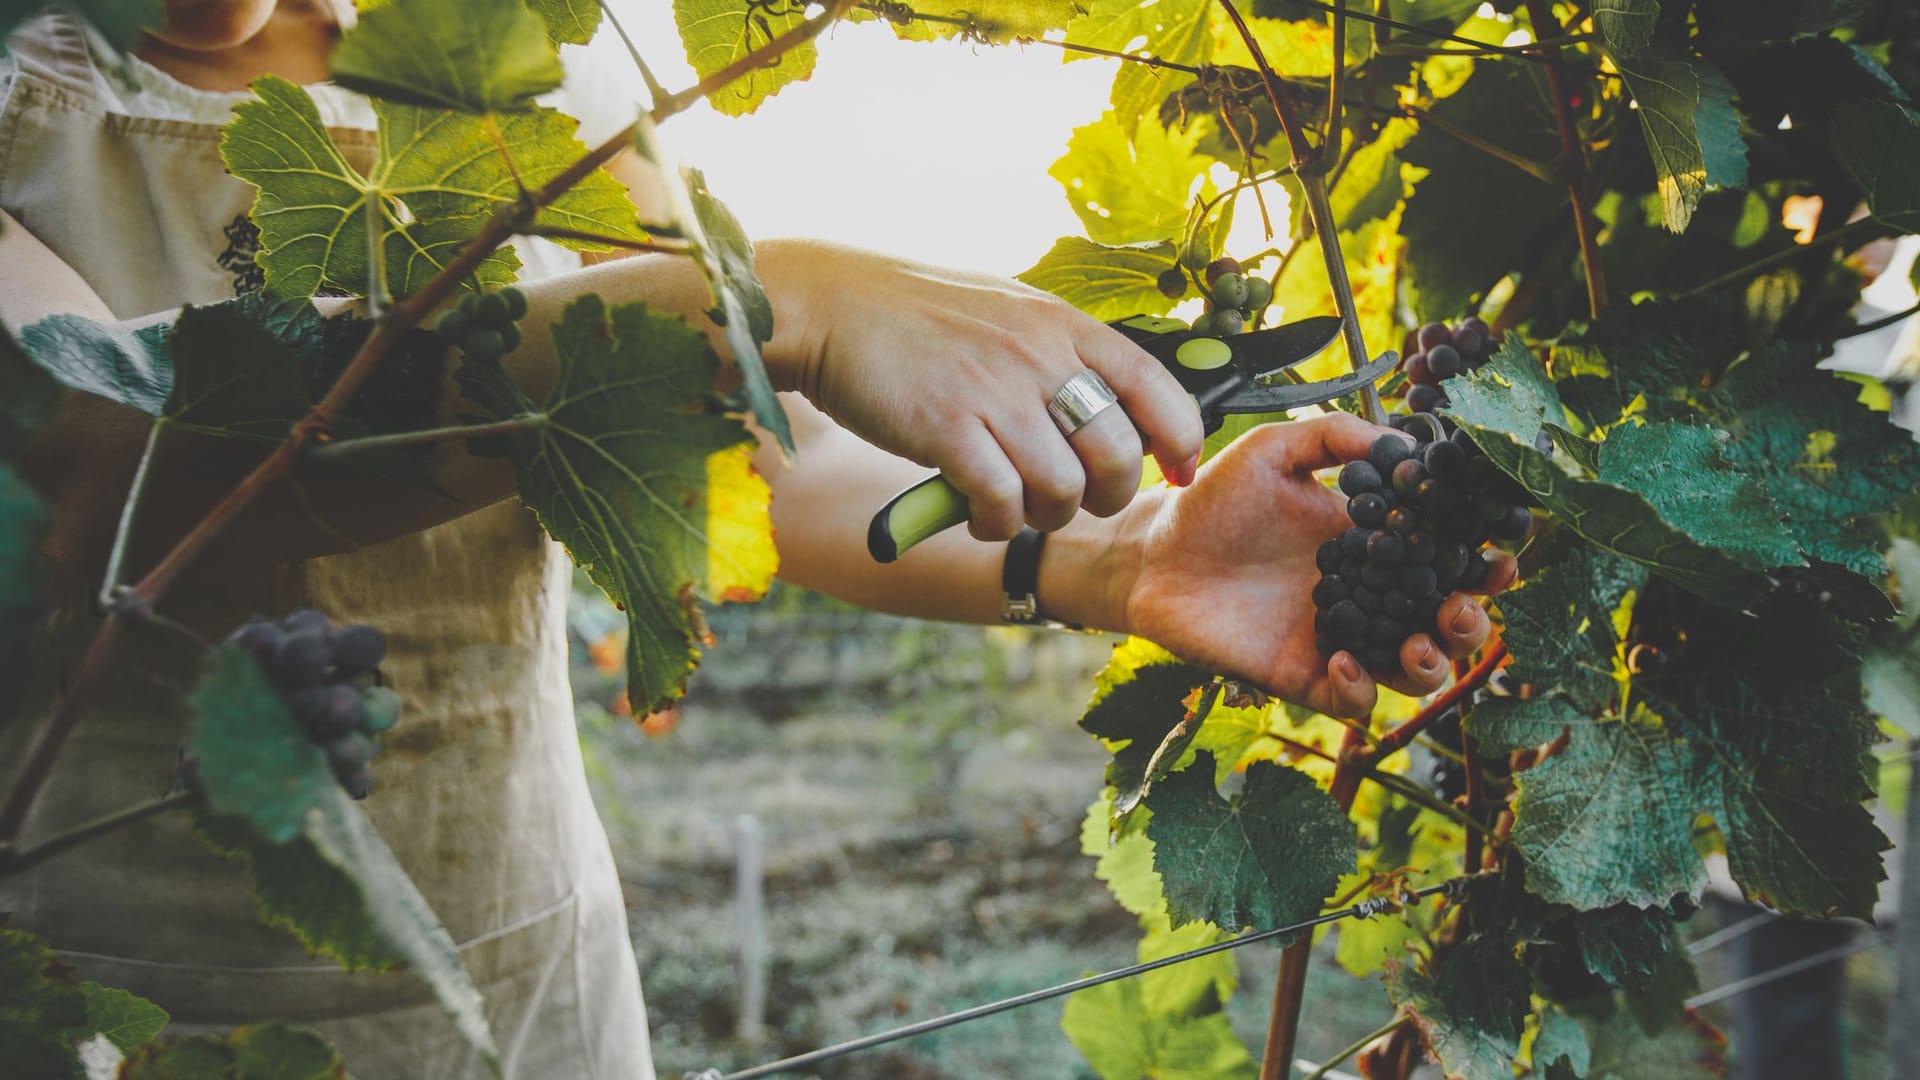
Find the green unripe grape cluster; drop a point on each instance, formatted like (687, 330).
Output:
(483, 324)
(1233, 297)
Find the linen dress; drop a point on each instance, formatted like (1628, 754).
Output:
(480, 790)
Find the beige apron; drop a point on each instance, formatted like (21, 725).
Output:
(480, 790)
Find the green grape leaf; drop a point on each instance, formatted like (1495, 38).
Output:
(997, 22)
(1560, 1048)
(437, 180)
(716, 33)
(1830, 463)
(475, 56)
(1506, 401)
(1130, 180)
(123, 1019)
(1621, 1050)
(120, 22)
(1106, 281)
(40, 1003)
(22, 578)
(1626, 26)
(617, 470)
(1452, 258)
(1192, 987)
(251, 758)
(1660, 999)
(1609, 819)
(1111, 1025)
(232, 376)
(1266, 858)
(1733, 24)
(569, 22)
(1559, 623)
(1176, 31)
(305, 894)
(1134, 709)
(1625, 945)
(1878, 143)
(1684, 105)
(1742, 522)
(104, 361)
(1127, 868)
(1471, 1011)
(256, 1052)
(1657, 349)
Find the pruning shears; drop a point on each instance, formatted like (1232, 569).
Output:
(1222, 374)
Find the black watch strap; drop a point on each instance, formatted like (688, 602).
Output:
(1020, 582)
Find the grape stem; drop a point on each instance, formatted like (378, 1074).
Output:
(1573, 160)
(1395, 783)
(501, 227)
(123, 535)
(14, 860)
(331, 449)
(1397, 738)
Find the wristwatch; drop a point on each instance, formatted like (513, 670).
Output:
(1020, 581)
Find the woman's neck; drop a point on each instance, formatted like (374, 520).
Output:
(293, 45)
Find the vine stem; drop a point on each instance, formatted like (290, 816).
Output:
(1880, 323)
(1527, 165)
(1394, 783)
(339, 448)
(123, 535)
(1850, 231)
(1397, 738)
(404, 316)
(1380, 1032)
(1573, 159)
(1094, 50)
(14, 860)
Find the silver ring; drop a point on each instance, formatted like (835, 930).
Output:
(1084, 397)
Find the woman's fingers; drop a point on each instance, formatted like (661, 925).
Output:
(1155, 401)
(980, 470)
(1350, 691)
(1052, 479)
(1463, 625)
(1110, 455)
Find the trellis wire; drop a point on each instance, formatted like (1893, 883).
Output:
(1363, 909)
(1793, 967)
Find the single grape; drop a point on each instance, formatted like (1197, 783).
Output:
(349, 752)
(1195, 255)
(357, 649)
(1406, 478)
(1228, 290)
(1353, 543)
(1469, 341)
(516, 302)
(1436, 496)
(1357, 477)
(1479, 326)
(1490, 508)
(1220, 267)
(1379, 578)
(452, 326)
(1465, 439)
(1203, 324)
(308, 704)
(1515, 526)
(1388, 451)
(339, 714)
(1418, 580)
(1425, 398)
(1350, 573)
(1228, 321)
(485, 345)
(1418, 372)
(301, 658)
(1433, 334)
(357, 782)
(1259, 293)
(1330, 591)
(468, 302)
(1444, 361)
(1385, 631)
(379, 708)
(1369, 601)
(1403, 521)
(491, 310)
(1346, 622)
(1474, 576)
(1450, 561)
(1445, 459)
(1173, 283)
(1386, 548)
(258, 637)
(509, 337)
(1421, 548)
(1329, 556)
(1368, 509)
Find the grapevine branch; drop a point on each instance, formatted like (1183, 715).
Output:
(330, 449)
(1326, 1067)
(1573, 161)
(1396, 739)
(13, 860)
(402, 317)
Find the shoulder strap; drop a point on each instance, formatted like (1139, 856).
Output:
(52, 49)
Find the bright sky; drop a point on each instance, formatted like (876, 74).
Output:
(937, 151)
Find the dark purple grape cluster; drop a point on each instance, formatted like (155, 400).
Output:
(329, 676)
(1435, 352)
(482, 324)
(1421, 511)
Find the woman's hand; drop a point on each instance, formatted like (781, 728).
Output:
(1223, 571)
(954, 370)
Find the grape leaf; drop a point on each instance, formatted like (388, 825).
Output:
(1130, 180)
(716, 33)
(1560, 1048)
(1625, 945)
(1609, 819)
(256, 1052)
(1471, 1011)
(1829, 462)
(1134, 708)
(569, 22)
(1683, 104)
(1105, 281)
(1451, 257)
(1266, 858)
(303, 893)
(231, 376)
(1722, 146)
(436, 181)
(1176, 31)
(1559, 623)
(251, 758)
(1505, 402)
(1878, 143)
(101, 360)
(119, 22)
(476, 56)
(1743, 523)
(123, 1019)
(617, 470)
(40, 1003)
(997, 22)
(1621, 1050)
(1626, 25)
(1111, 1025)
(1660, 998)
(1192, 987)
(1658, 349)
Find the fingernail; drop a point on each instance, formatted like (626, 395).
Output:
(1350, 668)
(1183, 476)
(1429, 659)
(1464, 622)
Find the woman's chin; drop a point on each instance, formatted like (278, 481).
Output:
(207, 25)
